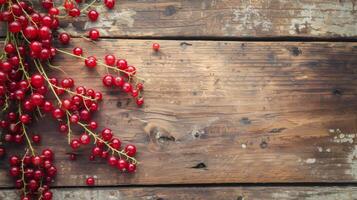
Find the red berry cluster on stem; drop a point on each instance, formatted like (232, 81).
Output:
(26, 91)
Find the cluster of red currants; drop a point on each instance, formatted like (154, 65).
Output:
(34, 174)
(26, 91)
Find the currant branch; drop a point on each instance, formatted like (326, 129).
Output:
(24, 84)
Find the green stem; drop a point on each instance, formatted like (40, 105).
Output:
(26, 135)
(95, 136)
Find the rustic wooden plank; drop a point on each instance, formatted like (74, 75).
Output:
(224, 112)
(204, 193)
(225, 18)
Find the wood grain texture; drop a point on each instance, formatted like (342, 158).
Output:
(223, 112)
(225, 18)
(201, 193)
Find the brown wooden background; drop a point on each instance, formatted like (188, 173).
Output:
(247, 99)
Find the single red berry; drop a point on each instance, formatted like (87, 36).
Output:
(130, 150)
(45, 33)
(64, 38)
(112, 161)
(9, 48)
(93, 34)
(131, 168)
(37, 99)
(93, 15)
(37, 80)
(58, 113)
(90, 181)
(14, 171)
(97, 151)
(2, 152)
(36, 139)
(93, 125)
(122, 164)
(77, 51)
(85, 139)
(127, 87)
(48, 154)
(109, 3)
(74, 119)
(90, 62)
(109, 60)
(36, 160)
(108, 80)
(140, 101)
(15, 27)
(140, 86)
(115, 143)
(36, 46)
(122, 64)
(33, 185)
(107, 134)
(75, 144)
(119, 81)
(156, 47)
(25, 118)
(74, 12)
(47, 195)
(53, 11)
(14, 160)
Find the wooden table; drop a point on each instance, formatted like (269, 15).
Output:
(247, 99)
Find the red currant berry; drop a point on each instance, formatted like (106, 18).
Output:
(37, 80)
(15, 27)
(156, 47)
(108, 80)
(53, 11)
(90, 62)
(36, 160)
(2, 152)
(48, 154)
(14, 160)
(75, 144)
(84, 139)
(122, 164)
(47, 195)
(90, 181)
(140, 101)
(57, 113)
(93, 125)
(77, 51)
(115, 143)
(93, 34)
(127, 87)
(36, 139)
(131, 168)
(64, 38)
(122, 64)
(109, 3)
(107, 134)
(25, 118)
(130, 150)
(112, 161)
(109, 60)
(74, 12)
(97, 151)
(93, 15)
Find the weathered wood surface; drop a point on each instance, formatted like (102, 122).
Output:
(223, 112)
(225, 18)
(198, 193)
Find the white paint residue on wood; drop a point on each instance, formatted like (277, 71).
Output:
(325, 18)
